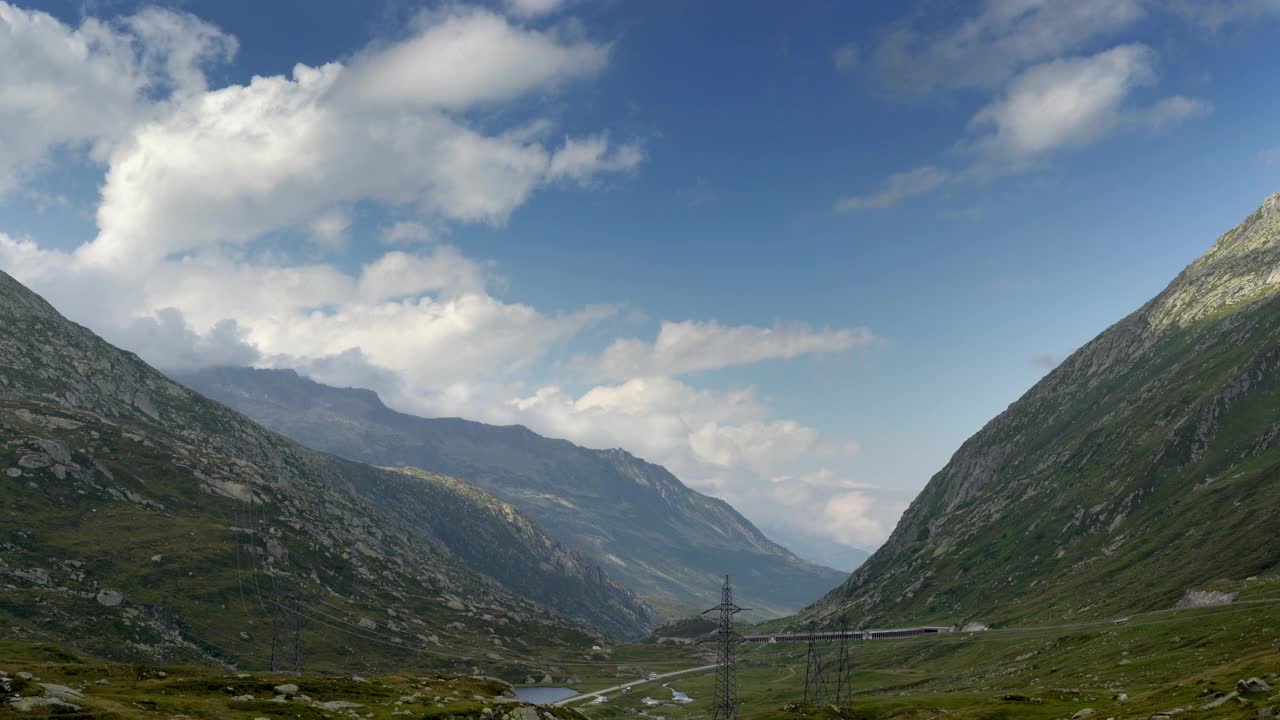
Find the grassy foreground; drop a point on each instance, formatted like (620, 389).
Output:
(40, 681)
(1176, 663)
(1159, 665)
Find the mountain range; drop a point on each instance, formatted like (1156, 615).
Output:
(667, 542)
(140, 521)
(1142, 468)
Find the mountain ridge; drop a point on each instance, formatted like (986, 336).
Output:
(1117, 482)
(141, 521)
(659, 537)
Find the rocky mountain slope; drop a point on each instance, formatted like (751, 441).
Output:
(1144, 466)
(141, 521)
(495, 538)
(667, 542)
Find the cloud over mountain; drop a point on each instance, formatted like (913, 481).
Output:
(227, 214)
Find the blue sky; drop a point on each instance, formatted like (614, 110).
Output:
(795, 252)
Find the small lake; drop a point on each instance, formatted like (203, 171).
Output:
(544, 695)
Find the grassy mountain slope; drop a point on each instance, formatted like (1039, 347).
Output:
(647, 529)
(141, 521)
(494, 537)
(1145, 465)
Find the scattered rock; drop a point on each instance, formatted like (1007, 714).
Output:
(35, 461)
(337, 705)
(39, 576)
(27, 704)
(1205, 598)
(1083, 713)
(56, 451)
(13, 472)
(1219, 702)
(61, 692)
(276, 550)
(1121, 697)
(1252, 685)
(24, 675)
(243, 698)
(367, 624)
(287, 689)
(110, 598)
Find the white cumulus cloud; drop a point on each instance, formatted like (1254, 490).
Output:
(1074, 102)
(199, 181)
(687, 347)
(467, 57)
(230, 165)
(1046, 91)
(91, 85)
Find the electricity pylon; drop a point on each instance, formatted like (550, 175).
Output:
(815, 676)
(844, 672)
(727, 639)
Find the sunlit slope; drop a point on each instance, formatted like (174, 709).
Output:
(1145, 465)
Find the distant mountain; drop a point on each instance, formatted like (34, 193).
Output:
(142, 521)
(1146, 465)
(841, 557)
(495, 538)
(667, 542)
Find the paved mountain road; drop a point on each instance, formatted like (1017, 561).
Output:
(633, 683)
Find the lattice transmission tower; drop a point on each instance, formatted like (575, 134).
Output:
(844, 672)
(824, 685)
(727, 639)
(816, 691)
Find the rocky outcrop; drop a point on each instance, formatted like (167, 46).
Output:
(1205, 598)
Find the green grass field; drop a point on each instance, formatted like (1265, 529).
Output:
(1172, 661)
(1158, 661)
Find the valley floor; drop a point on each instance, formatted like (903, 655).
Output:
(41, 682)
(1175, 663)
(1167, 663)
